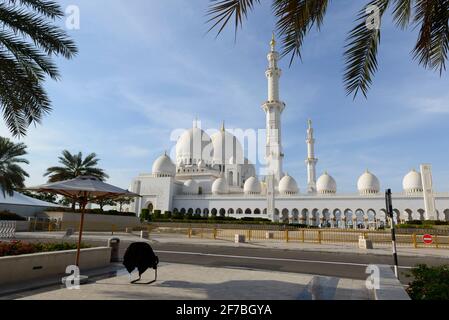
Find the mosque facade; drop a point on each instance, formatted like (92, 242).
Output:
(210, 175)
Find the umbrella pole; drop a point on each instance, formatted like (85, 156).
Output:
(83, 208)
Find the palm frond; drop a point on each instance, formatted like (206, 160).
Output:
(361, 51)
(432, 47)
(221, 12)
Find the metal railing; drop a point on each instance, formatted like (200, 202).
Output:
(8, 229)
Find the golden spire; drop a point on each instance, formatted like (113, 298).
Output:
(223, 129)
(273, 42)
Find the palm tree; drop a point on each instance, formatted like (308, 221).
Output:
(73, 165)
(12, 176)
(28, 41)
(295, 18)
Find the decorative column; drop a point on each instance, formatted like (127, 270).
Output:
(311, 161)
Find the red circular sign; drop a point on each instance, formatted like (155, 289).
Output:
(428, 239)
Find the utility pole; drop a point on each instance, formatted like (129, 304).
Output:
(390, 214)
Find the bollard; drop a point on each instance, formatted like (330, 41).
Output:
(286, 236)
(303, 236)
(190, 233)
(215, 234)
(319, 237)
(415, 243)
(114, 243)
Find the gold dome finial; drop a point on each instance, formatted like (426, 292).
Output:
(223, 129)
(273, 42)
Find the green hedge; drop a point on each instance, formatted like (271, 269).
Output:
(430, 283)
(95, 211)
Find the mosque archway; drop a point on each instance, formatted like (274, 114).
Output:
(285, 217)
(206, 213)
(327, 219)
(257, 211)
(359, 219)
(295, 216)
(397, 216)
(214, 212)
(230, 211)
(422, 214)
(371, 219)
(409, 214)
(337, 219)
(150, 207)
(239, 211)
(183, 211)
(347, 218)
(265, 211)
(222, 213)
(304, 217)
(198, 212)
(315, 218)
(446, 215)
(190, 212)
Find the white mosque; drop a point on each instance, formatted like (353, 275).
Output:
(210, 176)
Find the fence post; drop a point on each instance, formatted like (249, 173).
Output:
(202, 233)
(113, 229)
(436, 242)
(319, 236)
(287, 236)
(190, 233)
(303, 236)
(415, 243)
(215, 233)
(249, 235)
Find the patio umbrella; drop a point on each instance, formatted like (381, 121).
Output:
(84, 189)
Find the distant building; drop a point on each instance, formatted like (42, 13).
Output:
(210, 176)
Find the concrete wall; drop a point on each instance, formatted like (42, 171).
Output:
(92, 222)
(53, 264)
(24, 211)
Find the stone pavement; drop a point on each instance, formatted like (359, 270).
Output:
(188, 282)
(272, 244)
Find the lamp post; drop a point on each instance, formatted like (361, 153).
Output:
(390, 214)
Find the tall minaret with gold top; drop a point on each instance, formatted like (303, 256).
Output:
(311, 161)
(273, 108)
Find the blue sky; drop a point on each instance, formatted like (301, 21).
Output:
(146, 68)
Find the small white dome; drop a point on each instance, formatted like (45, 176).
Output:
(368, 184)
(412, 182)
(252, 186)
(164, 167)
(191, 187)
(326, 184)
(220, 186)
(288, 186)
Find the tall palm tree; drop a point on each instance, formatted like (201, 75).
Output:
(12, 176)
(73, 165)
(28, 41)
(295, 19)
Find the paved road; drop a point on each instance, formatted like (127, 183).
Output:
(344, 265)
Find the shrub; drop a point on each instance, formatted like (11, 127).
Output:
(145, 215)
(16, 248)
(431, 283)
(9, 216)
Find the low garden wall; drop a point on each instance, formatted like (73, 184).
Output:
(92, 222)
(37, 266)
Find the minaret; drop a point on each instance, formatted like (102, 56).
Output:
(273, 109)
(311, 160)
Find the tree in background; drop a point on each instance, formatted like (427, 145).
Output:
(28, 42)
(12, 176)
(124, 201)
(73, 166)
(296, 18)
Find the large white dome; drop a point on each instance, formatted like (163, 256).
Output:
(252, 186)
(326, 184)
(194, 146)
(164, 167)
(412, 182)
(288, 186)
(220, 186)
(191, 187)
(226, 147)
(368, 183)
